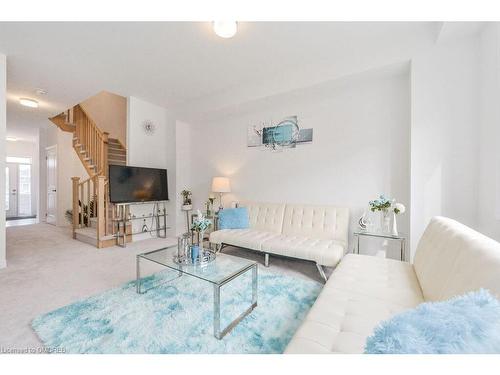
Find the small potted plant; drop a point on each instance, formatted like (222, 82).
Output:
(186, 200)
(210, 204)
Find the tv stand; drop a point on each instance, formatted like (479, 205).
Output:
(124, 218)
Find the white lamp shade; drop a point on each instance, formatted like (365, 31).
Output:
(221, 185)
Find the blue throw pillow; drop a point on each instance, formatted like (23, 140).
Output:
(464, 324)
(234, 218)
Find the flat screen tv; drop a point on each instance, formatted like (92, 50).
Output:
(137, 184)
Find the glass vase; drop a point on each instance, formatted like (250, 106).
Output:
(201, 236)
(394, 230)
(385, 221)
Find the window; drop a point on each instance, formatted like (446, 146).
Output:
(24, 208)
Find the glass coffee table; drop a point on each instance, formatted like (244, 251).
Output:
(219, 272)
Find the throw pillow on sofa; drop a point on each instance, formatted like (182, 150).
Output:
(464, 324)
(234, 218)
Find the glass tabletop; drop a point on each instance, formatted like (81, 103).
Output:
(220, 270)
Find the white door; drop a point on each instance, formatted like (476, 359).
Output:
(11, 190)
(51, 157)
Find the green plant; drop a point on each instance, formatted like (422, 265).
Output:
(209, 204)
(201, 223)
(186, 197)
(88, 212)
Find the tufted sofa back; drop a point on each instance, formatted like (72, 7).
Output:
(320, 222)
(265, 216)
(452, 259)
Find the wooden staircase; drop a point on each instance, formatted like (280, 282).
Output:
(93, 213)
(117, 154)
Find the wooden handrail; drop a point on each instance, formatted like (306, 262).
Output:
(86, 180)
(88, 117)
(92, 141)
(91, 145)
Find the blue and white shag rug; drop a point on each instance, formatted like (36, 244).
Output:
(177, 317)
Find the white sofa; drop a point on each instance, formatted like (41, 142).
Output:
(315, 233)
(451, 259)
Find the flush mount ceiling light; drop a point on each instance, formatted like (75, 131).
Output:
(28, 102)
(225, 29)
(12, 139)
(41, 91)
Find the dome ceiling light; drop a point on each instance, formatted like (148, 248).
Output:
(28, 102)
(225, 29)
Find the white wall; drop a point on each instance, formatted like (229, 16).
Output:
(109, 112)
(489, 134)
(3, 126)
(183, 180)
(27, 150)
(360, 147)
(152, 150)
(444, 134)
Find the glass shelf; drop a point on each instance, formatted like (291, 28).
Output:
(400, 236)
(140, 217)
(142, 231)
(124, 219)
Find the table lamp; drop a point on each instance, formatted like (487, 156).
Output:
(221, 185)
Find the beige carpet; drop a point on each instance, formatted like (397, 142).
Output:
(47, 269)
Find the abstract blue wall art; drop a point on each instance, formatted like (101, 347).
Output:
(278, 136)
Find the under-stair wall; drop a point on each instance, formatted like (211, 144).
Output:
(68, 165)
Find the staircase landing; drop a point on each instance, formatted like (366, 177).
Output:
(89, 235)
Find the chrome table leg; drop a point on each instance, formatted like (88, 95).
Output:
(254, 285)
(217, 332)
(138, 274)
(217, 306)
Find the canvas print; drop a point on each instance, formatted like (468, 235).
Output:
(277, 136)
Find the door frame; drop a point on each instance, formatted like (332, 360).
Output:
(13, 182)
(47, 149)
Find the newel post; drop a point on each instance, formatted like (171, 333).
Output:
(105, 153)
(76, 206)
(101, 215)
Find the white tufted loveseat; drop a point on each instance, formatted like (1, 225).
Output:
(315, 233)
(451, 259)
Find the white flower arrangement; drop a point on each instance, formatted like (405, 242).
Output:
(201, 223)
(399, 208)
(380, 204)
(385, 204)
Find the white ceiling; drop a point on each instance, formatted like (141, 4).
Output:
(184, 66)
